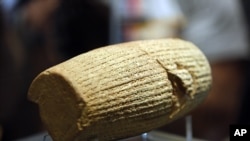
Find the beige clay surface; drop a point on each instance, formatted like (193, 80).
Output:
(121, 90)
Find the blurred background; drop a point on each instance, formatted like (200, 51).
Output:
(37, 34)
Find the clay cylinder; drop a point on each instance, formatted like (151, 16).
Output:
(121, 90)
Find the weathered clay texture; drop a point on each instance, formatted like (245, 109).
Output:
(121, 90)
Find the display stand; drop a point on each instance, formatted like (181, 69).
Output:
(150, 136)
(189, 131)
(162, 136)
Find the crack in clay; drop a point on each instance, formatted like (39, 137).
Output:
(179, 96)
(181, 93)
(194, 83)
